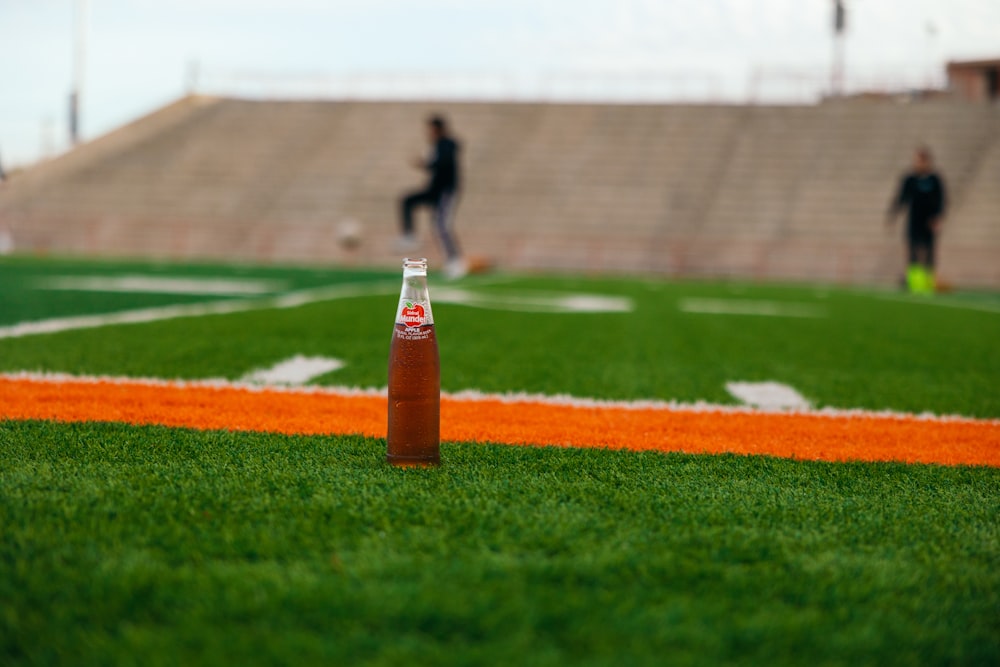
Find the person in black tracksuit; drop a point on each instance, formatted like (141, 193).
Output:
(922, 193)
(440, 194)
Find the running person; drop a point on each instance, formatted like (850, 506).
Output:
(441, 195)
(922, 192)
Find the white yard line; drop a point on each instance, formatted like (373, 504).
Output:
(289, 300)
(534, 302)
(526, 300)
(162, 285)
(474, 395)
(748, 307)
(937, 300)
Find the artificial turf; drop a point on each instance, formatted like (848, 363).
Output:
(148, 545)
(866, 349)
(156, 546)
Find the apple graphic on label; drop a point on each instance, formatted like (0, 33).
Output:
(412, 314)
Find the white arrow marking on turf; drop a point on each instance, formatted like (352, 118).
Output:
(295, 370)
(768, 395)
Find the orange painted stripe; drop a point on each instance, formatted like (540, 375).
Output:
(800, 436)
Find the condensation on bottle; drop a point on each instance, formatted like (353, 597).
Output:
(414, 375)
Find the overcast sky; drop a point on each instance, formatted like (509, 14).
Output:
(139, 53)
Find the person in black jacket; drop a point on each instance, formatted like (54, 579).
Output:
(440, 194)
(922, 193)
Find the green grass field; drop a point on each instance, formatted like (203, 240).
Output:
(148, 545)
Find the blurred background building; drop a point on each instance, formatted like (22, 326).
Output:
(975, 80)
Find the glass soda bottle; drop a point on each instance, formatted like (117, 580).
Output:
(414, 375)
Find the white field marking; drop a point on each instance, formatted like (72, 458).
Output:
(534, 302)
(294, 370)
(937, 300)
(570, 303)
(768, 395)
(289, 300)
(748, 307)
(162, 285)
(474, 395)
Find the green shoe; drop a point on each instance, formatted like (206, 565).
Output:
(915, 278)
(920, 280)
(930, 284)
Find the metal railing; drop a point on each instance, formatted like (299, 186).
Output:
(763, 85)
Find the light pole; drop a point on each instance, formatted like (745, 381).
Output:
(837, 69)
(79, 68)
(930, 30)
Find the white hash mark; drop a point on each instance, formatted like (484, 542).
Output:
(768, 395)
(295, 370)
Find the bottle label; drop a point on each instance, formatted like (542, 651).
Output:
(414, 313)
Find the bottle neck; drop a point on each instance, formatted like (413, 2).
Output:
(415, 279)
(415, 288)
(414, 298)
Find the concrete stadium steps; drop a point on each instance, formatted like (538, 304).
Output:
(769, 192)
(979, 197)
(970, 240)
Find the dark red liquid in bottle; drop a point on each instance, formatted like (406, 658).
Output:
(414, 397)
(414, 433)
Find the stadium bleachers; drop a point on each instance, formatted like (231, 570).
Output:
(753, 191)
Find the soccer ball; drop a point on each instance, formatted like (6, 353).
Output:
(6, 241)
(349, 233)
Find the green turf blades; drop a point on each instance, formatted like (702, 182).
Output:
(131, 545)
